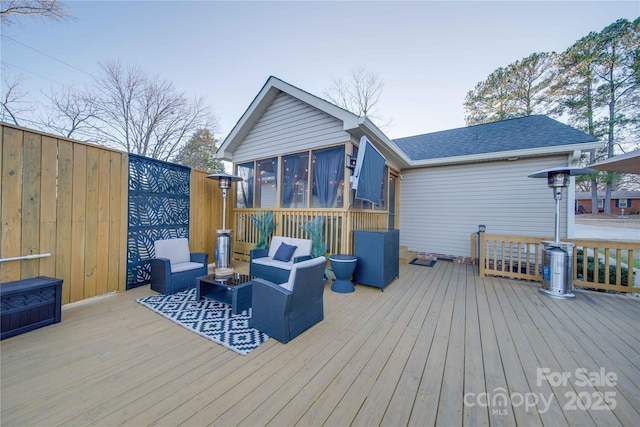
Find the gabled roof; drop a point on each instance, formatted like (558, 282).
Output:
(352, 124)
(524, 135)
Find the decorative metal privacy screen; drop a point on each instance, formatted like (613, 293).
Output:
(158, 209)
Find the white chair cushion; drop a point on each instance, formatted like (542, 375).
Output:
(273, 263)
(175, 250)
(303, 246)
(308, 263)
(185, 266)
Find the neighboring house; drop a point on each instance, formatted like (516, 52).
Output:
(629, 201)
(293, 151)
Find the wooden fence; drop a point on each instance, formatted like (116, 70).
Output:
(339, 224)
(69, 199)
(606, 265)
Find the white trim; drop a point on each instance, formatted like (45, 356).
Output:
(506, 155)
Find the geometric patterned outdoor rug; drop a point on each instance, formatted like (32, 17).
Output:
(210, 319)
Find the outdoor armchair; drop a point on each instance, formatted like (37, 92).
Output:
(175, 269)
(284, 311)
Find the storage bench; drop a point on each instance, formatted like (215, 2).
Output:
(30, 304)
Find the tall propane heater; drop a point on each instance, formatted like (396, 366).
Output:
(557, 256)
(223, 241)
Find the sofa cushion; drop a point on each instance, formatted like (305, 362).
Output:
(284, 252)
(185, 266)
(303, 245)
(175, 250)
(273, 263)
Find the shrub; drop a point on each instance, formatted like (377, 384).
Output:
(624, 271)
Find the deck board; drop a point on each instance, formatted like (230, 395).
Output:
(474, 376)
(412, 355)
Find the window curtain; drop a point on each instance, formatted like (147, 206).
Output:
(289, 177)
(328, 173)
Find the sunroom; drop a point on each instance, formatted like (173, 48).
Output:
(298, 156)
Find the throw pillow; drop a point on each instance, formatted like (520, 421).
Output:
(284, 252)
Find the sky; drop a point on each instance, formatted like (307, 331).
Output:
(428, 54)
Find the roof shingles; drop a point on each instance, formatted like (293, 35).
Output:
(515, 134)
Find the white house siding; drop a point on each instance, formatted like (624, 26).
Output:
(440, 207)
(289, 125)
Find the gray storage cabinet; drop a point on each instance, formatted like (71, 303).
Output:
(378, 253)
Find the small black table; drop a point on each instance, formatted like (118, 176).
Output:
(234, 290)
(343, 267)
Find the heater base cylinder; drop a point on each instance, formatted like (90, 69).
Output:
(556, 270)
(223, 251)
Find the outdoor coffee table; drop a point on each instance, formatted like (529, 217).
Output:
(234, 290)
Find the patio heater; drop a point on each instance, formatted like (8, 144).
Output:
(557, 256)
(223, 241)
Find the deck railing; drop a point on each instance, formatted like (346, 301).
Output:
(338, 223)
(606, 265)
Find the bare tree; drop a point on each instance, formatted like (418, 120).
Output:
(144, 115)
(360, 94)
(13, 103)
(73, 114)
(126, 108)
(52, 9)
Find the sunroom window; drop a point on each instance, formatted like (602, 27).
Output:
(267, 183)
(295, 180)
(328, 177)
(244, 188)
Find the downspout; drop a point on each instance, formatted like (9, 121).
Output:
(571, 196)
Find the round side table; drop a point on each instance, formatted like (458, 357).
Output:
(343, 267)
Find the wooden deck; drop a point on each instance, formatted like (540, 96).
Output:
(439, 346)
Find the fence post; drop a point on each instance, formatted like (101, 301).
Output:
(474, 248)
(481, 247)
(347, 234)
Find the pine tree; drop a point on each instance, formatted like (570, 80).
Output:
(199, 152)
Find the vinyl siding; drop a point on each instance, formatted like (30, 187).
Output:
(440, 207)
(287, 126)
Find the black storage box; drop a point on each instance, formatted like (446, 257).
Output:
(30, 304)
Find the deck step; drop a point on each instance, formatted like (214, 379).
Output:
(407, 255)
